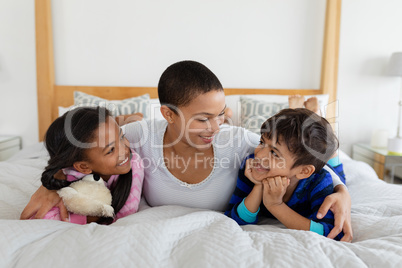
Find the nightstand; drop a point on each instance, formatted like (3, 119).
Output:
(9, 145)
(378, 158)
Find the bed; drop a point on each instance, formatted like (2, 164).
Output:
(175, 236)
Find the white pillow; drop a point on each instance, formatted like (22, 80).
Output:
(256, 112)
(155, 109)
(154, 105)
(63, 110)
(117, 107)
(233, 101)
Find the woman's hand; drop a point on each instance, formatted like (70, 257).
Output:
(340, 204)
(41, 202)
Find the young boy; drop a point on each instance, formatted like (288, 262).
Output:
(285, 177)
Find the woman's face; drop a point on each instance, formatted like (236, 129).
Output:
(198, 122)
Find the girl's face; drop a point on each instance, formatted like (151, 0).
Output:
(111, 154)
(198, 122)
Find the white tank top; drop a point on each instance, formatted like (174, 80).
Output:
(231, 145)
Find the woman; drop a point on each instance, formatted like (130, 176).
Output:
(189, 159)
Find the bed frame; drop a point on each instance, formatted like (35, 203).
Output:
(50, 95)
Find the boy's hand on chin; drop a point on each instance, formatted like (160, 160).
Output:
(273, 190)
(248, 172)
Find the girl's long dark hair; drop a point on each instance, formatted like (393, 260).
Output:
(66, 141)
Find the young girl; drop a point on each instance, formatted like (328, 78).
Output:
(88, 141)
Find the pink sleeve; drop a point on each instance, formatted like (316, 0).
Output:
(133, 200)
(54, 214)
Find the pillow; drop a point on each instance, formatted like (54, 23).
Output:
(155, 110)
(255, 112)
(233, 101)
(117, 107)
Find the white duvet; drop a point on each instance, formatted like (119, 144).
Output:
(173, 236)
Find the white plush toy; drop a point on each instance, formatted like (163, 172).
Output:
(88, 197)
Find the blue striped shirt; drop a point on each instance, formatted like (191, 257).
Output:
(305, 200)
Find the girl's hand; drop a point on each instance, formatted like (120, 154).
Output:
(339, 203)
(248, 172)
(273, 190)
(41, 202)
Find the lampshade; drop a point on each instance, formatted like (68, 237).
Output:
(395, 64)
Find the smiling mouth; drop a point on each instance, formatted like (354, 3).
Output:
(260, 167)
(207, 138)
(124, 161)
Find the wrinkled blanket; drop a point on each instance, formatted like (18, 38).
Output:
(174, 236)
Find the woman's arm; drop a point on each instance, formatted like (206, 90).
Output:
(340, 204)
(41, 202)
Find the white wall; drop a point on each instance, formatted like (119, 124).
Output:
(248, 44)
(368, 99)
(369, 34)
(18, 106)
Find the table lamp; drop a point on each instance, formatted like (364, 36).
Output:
(395, 69)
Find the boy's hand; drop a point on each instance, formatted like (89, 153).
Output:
(248, 172)
(273, 190)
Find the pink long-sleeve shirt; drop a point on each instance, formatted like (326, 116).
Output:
(133, 200)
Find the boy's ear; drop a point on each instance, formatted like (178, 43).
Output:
(82, 167)
(305, 171)
(167, 113)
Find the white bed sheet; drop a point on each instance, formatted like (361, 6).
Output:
(173, 236)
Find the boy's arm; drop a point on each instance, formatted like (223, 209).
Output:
(288, 217)
(246, 199)
(273, 191)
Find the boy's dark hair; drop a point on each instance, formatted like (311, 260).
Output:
(308, 136)
(65, 141)
(183, 81)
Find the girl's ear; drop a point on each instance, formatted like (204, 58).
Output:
(83, 167)
(167, 113)
(305, 171)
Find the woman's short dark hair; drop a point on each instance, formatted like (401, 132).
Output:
(183, 81)
(308, 136)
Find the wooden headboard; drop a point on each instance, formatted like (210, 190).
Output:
(51, 96)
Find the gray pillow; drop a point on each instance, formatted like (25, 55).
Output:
(138, 104)
(255, 112)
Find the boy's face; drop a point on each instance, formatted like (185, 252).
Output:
(272, 159)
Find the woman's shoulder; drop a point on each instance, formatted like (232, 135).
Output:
(142, 131)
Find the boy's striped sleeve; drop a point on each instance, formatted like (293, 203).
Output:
(243, 189)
